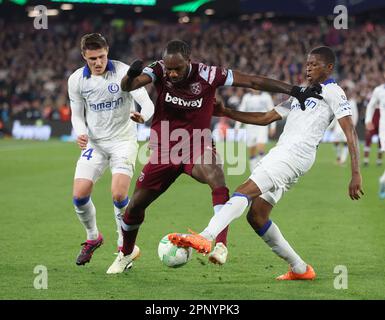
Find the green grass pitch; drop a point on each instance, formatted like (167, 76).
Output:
(39, 227)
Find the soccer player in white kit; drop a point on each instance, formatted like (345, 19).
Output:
(102, 117)
(256, 136)
(291, 158)
(378, 97)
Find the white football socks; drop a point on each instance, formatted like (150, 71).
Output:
(218, 208)
(118, 217)
(119, 210)
(231, 210)
(382, 178)
(278, 244)
(87, 216)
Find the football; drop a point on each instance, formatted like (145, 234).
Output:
(172, 255)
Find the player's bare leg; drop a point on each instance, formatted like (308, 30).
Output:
(86, 213)
(208, 170)
(134, 216)
(258, 218)
(119, 189)
(132, 219)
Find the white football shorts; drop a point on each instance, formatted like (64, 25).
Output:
(256, 135)
(119, 155)
(278, 171)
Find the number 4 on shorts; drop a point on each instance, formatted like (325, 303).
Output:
(88, 153)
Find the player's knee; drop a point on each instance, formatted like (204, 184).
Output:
(80, 193)
(119, 196)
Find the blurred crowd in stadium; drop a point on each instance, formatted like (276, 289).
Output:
(35, 64)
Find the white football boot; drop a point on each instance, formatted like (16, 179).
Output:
(122, 262)
(219, 254)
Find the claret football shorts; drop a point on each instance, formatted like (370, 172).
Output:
(160, 171)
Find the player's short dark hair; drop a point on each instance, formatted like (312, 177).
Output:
(178, 46)
(93, 41)
(326, 53)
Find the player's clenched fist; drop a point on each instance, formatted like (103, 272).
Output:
(135, 69)
(82, 141)
(355, 187)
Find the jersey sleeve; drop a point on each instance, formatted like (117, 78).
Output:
(154, 70)
(141, 97)
(77, 107)
(283, 109)
(216, 76)
(336, 99)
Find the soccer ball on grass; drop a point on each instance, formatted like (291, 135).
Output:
(172, 255)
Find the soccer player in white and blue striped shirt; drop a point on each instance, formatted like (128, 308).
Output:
(102, 118)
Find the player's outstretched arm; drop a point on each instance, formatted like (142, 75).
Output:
(258, 118)
(135, 79)
(355, 186)
(271, 85)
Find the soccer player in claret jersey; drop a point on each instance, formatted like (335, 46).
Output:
(101, 114)
(291, 158)
(184, 107)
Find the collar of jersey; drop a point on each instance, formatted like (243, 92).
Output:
(87, 71)
(330, 80)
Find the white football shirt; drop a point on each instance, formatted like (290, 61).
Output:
(304, 130)
(378, 97)
(252, 102)
(100, 108)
